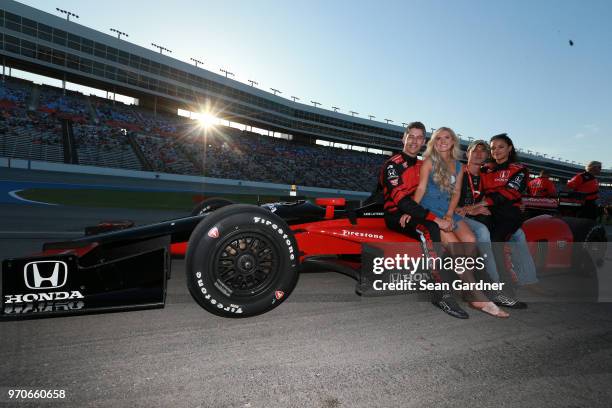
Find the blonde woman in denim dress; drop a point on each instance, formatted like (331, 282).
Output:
(439, 191)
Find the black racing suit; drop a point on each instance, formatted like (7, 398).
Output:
(399, 179)
(587, 184)
(503, 185)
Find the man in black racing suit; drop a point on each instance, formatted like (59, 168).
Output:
(399, 179)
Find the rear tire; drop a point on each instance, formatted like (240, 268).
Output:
(589, 246)
(593, 251)
(241, 261)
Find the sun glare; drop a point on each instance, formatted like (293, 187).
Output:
(207, 119)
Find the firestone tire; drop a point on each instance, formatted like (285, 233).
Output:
(241, 261)
(209, 205)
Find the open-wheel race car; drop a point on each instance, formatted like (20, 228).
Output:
(240, 260)
(553, 224)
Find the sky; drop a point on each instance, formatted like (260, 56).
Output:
(479, 67)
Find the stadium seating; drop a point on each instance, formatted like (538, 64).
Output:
(30, 135)
(116, 135)
(165, 155)
(104, 146)
(14, 93)
(53, 100)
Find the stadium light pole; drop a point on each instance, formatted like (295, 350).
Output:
(335, 108)
(353, 113)
(315, 103)
(226, 72)
(275, 91)
(388, 120)
(295, 98)
(404, 124)
(253, 83)
(196, 61)
(371, 117)
(161, 49)
(67, 13)
(119, 33)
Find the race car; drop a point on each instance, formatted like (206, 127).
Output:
(567, 204)
(555, 220)
(240, 260)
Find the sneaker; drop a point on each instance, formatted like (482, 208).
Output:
(506, 301)
(449, 305)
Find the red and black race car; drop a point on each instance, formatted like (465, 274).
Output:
(241, 260)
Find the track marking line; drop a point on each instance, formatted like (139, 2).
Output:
(15, 196)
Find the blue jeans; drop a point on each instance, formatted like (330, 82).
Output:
(521, 258)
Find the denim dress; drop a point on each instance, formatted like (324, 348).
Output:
(436, 200)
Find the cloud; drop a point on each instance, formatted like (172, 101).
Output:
(592, 128)
(580, 136)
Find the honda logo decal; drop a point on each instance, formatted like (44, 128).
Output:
(45, 274)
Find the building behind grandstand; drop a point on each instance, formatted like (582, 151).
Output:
(313, 147)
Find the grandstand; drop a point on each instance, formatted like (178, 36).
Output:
(53, 124)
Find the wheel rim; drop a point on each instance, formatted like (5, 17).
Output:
(245, 264)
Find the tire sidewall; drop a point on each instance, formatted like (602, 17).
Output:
(209, 237)
(210, 204)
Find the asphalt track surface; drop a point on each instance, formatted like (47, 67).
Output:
(323, 347)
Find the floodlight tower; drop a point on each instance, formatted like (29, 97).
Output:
(161, 49)
(226, 72)
(119, 33)
(67, 13)
(197, 61)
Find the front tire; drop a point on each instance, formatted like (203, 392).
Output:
(209, 205)
(241, 261)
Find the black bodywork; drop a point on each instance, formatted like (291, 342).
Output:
(123, 269)
(119, 270)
